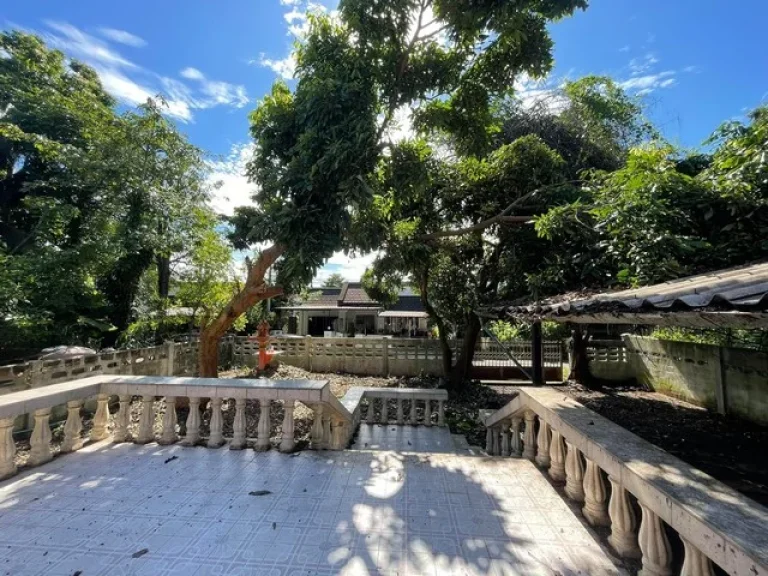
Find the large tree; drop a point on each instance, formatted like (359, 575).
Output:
(89, 197)
(318, 147)
(462, 229)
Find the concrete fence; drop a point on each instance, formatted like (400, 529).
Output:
(387, 356)
(726, 380)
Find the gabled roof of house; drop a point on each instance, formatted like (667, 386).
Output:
(353, 296)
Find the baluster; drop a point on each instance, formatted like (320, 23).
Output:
(505, 450)
(529, 439)
(441, 413)
(101, 418)
(427, 412)
(557, 457)
(216, 438)
(73, 427)
(265, 427)
(516, 448)
(287, 443)
(489, 441)
(542, 442)
(695, 563)
(316, 437)
(7, 449)
(146, 420)
(623, 536)
(122, 419)
(193, 422)
(370, 416)
(400, 417)
(657, 553)
(326, 432)
(594, 509)
(339, 434)
(238, 426)
(495, 449)
(574, 474)
(168, 436)
(413, 411)
(41, 438)
(384, 419)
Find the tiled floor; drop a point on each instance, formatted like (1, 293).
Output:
(422, 439)
(353, 512)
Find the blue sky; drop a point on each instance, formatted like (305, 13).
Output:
(696, 62)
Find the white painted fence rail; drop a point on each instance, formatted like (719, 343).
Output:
(333, 422)
(579, 447)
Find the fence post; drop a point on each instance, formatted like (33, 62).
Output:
(308, 352)
(537, 354)
(385, 356)
(720, 380)
(170, 359)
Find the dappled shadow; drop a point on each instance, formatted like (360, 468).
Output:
(225, 512)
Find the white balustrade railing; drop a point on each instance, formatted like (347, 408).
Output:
(332, 427)
(402, 406)
(579, 448)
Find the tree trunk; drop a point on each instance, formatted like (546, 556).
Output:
(579, 359)
(163, 276)
(461, 371)
(442, 332)
(254, 291)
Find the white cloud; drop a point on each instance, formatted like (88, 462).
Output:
(134, 85)
(642, 65)
(235, 189)
(350, 267)
(624, 49)
(285, 67)
(647, 84)
(123, 37)
(192, 74)
(297, 27)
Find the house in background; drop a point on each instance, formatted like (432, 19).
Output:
(350, 311)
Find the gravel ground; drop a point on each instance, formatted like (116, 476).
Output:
(728, 448)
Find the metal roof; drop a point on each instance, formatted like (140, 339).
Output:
(733, 291)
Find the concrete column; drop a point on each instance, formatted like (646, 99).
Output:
(146, 421)
(193, 422)
(441, 413)
(427, 412)
(7, 449)
(517, 446)
(557, 457)
(657, 553)
(623, 536)
(41, 438)
(122, 419)
(238, 426)
(489, 441)
(385, 356)
(216, 438)
(529, 439)
(574, 474)
(101, 418)
(168, 436)
(400, 417)
(413, 411)
(73, 427)
(542, 444)
(265, 427)
(695, 563)
(595, 509)
(287, 443)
